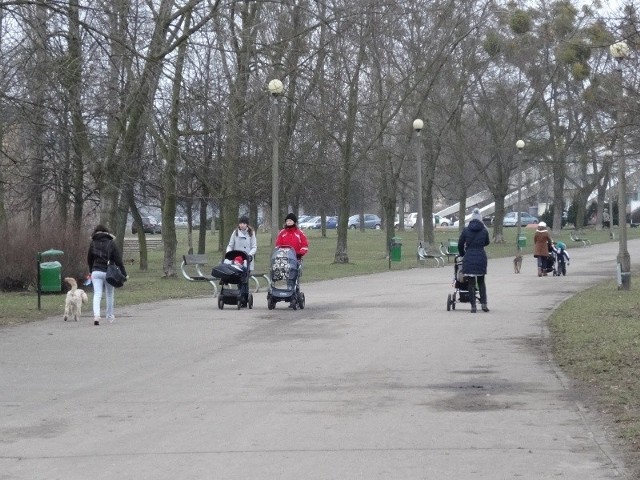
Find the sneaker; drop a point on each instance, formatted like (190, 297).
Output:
(473, 309)
(485, 308)
(111, 318)
(96, 321)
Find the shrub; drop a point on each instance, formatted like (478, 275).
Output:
(21, 245)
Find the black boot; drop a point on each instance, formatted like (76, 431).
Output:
(472, 297)
(482, 288)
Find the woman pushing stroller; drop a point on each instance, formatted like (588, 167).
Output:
(243, 239)
(542, 246)
(471, 245)
(286, 265)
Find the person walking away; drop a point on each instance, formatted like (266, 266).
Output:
(563, 257)
(243, 238)
(541, 246)
(471, 243)
(102, 250)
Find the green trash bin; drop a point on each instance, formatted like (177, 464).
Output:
(395, 250)
(522, 241)
(51, 276)
(452, 247)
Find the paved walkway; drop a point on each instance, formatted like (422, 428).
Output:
(373, 380)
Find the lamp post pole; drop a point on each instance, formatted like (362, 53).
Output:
(275, 89)
(417, 127)
(519, 146)
(620, 51)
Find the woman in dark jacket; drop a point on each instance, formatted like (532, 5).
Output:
(102, 250)
(471, 245)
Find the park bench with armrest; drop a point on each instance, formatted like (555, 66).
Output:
(450, 250)
(192, 269)
(424, 255)
(576, 236)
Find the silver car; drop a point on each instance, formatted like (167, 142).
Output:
(511, 219)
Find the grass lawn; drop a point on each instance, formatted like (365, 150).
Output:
(595, 336)
(367, 254)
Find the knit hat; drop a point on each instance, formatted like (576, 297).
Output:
(476, 215)
(238, 259)
(542, 225)
(244, 219)
(291, 216)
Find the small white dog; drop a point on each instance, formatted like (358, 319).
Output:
(75, 298)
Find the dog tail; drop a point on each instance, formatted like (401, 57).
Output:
(71, 282)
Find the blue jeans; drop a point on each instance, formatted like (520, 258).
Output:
(98, 279)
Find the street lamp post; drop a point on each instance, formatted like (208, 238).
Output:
(519, 146)
(620, 51)
(417, 127)
(275, 89)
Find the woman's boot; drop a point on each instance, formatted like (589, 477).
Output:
(472, 296)
(539, 272)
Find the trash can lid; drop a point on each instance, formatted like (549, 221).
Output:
(50, 252)
(53, 264)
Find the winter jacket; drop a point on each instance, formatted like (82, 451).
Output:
(541, 242)
(102, 249)
(244, 241)
(471, 245)
(295, 238)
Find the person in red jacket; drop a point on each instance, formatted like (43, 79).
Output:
(292, 236)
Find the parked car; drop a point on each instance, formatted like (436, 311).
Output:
(149, 225)
(412, 218)
(370, 221)
(308, 222)
(332, 223)
(511, 219)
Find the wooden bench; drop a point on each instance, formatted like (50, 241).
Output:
(192, 269)
(131, 245)
(576, 236)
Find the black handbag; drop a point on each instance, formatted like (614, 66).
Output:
(115, 276)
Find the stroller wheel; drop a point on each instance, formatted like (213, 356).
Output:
(301, 300)
(250, 302)
(449, 302)
(220, 303)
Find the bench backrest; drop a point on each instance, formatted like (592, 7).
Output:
(195, 259)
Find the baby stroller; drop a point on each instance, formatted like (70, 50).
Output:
(462, 286)
(550, 263)
(234, 270)
(285, 279)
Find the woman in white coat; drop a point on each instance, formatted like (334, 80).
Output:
(243, 238)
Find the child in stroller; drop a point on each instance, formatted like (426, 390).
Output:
(286, 271)
(234, 271)
(562, 258)
(462, 286)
